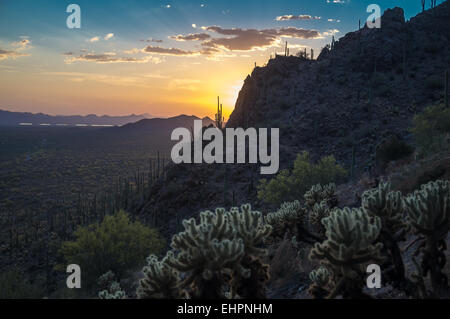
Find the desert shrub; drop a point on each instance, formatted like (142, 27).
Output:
(13, 285)
(430, 127)
(392, 149)
(290, 185)
(115, 244)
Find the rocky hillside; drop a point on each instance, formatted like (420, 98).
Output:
(364, 88)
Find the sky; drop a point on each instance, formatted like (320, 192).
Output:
(163, 58)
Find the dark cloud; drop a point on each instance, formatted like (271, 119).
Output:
(104, 58)
(191, 37)
(168, 51)
(249, 39)
(151, 40)
(290, 17)
(6, 54)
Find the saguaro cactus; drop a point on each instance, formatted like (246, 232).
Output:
(219, 116)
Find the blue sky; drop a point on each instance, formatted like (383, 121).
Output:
(41, 55)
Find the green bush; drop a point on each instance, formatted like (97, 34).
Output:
(116, 244)
(430, 127)
(290, 185)
(13, 285)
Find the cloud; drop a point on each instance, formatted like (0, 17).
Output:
(13, 54)
(330, 32)
(109, 57)
(168, 51)
(94, 39)
(116, 80)
(184, 84)
(250, 39)
(290, 17)
(338, 1)
(150, 40)
(191, 37)
(109, 36)
(334, 20)
(21, 45)
(235, 39)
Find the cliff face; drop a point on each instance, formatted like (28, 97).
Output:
(368, 86)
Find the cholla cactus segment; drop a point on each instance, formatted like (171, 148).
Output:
(106, 279)
(321, 279)
(317, 214)
(429, 212)
(320, 276)
(387, 205)
(211, 244)
(250, 227)
(161, 281)
(114, 292)
(319, 193)
(287, 216)
(429, 208)
(350, 235)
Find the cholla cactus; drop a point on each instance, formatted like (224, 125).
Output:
(251, 228)
(291, 219)
(429, 213)
(350, 244)
(320, 278)
(319, 193)
(286, 218)
(317, 214)
(388, 206)
(160, 282)
(112, 289)
(205, 251)
(217, 258)
(114, 292)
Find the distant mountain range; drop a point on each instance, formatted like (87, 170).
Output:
(164, 124)
(8, 118)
